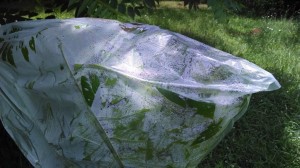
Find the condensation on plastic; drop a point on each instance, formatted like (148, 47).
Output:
(100, 93)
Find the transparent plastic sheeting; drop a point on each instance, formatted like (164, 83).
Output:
(100, 93)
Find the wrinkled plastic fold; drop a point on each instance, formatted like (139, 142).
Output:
(99, 93)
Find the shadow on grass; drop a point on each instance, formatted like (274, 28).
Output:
(267, 135)
(10, 155)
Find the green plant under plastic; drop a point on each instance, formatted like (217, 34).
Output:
(100, 93)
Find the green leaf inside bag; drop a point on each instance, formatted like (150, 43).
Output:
(89, 87)
(212, 130)
(203, 108)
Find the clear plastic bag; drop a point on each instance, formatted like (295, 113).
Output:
(100, 93)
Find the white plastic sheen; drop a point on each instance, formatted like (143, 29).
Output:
(99, 93)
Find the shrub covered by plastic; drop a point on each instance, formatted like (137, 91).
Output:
(100, 93)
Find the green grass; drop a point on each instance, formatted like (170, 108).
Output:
(268, 135)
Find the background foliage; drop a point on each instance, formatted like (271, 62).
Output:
(12, 10)
(272, 8)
